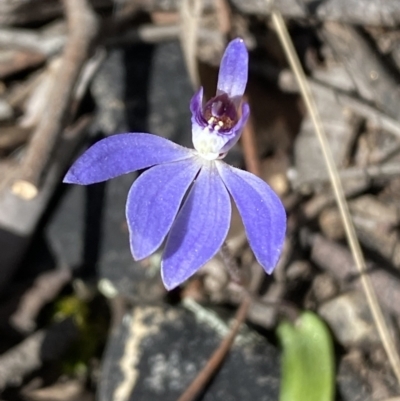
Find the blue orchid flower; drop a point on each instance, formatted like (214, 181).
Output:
(194, 226)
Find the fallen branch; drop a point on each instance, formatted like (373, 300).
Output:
(369, 173)
(45, 288)
(368, 12)
(372, 79)
(83, 27)
(18, 218)
(380, 119)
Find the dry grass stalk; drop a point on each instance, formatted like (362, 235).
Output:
(352, 239)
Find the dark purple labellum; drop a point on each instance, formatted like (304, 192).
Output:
(220, 113)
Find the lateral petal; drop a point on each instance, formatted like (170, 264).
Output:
(236, 132)
(153, 202)
(199, 230)
(262, 213)
(196, 107)
(121, 154)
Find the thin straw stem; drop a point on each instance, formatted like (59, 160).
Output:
(354, 244)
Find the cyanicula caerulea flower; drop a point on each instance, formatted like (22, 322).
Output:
(194, 226)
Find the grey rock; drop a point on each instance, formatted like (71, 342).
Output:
(359, 380)
(170, 92)
(299, 270)
(351, 385)
(324, 287)
(157, 351)
(349, 318)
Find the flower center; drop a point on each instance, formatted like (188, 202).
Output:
(220, 113)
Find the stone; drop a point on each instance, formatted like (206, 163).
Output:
(359, 380)
(351, 385)
(324, 287)
(157, 351)
(349, 318)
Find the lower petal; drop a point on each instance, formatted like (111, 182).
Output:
(153, 202)
(262, 212)
(199, 230)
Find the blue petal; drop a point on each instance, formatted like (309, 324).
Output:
(196, 107)
(199, 230)
(153, 202)
(243, 118)
(236, 131)
(262, 212)
(121, 154)
(232, 78)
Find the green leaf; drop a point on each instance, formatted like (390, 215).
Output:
(307, 361)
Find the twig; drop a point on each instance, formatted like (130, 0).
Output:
(83, 26)
(146, 33)
(25, 12)
(44, 289)
(29, 39)
(12, 136)
(18, 218)
(190, 17)
(249, 148)
(20, 39)
(13, 61)
(88, 71)
(361, 12)
(381, 119)
(384, 171)
(308, 98)
(223, 14)
(366, 69)
(219, 355)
